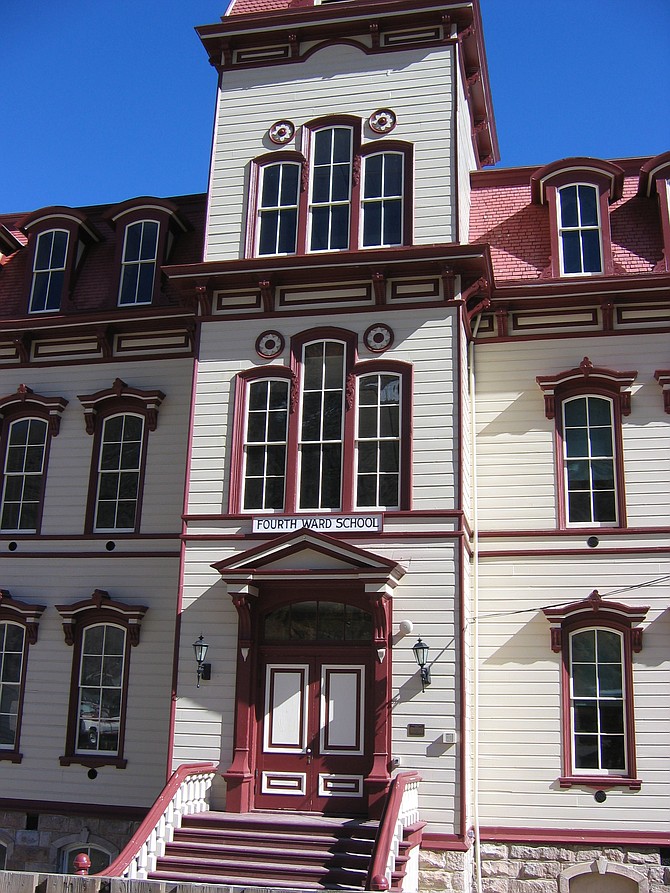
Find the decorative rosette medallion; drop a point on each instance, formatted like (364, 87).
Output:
(282, 132)
(378, 338)
(382, 121)
(269, 345)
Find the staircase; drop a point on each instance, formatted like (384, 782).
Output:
(293, 850)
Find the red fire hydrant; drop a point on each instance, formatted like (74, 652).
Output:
(82, 863)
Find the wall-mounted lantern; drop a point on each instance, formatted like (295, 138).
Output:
(204, 670)
(420, 650)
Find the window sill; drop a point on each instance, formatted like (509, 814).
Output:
(11, 756)
(600, 781)
(93, 762)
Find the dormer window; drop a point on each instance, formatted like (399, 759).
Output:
(49, 267)
(57, 239)
(138, 267)
(146, 229)
(579, 230)
(578, 192)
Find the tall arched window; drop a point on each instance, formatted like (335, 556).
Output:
(328, 434)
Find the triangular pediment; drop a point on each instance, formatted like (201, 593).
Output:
(305, 553)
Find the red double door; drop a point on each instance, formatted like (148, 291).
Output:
(314, 742)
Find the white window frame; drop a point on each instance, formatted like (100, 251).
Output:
(139, 263)
(379, 439)
(597, 700)
(49, 271)
(96, 726)
(264, 444)
(23, 474)
(265, 210)
(135, 469)
(330, 204)
(580, 229)
(383, 200)
(590, 459)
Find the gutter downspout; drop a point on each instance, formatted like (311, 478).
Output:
(475, 606)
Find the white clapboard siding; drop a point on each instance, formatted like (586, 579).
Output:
(52, 581)
(515, 442)
(519, 692)
(420, 339)
(69, 466)
(336, 80)
(466, 161)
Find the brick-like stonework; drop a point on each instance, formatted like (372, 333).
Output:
(39, 850)
(524, 868)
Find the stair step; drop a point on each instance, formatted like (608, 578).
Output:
(232, 880)
(265, 853)
(271, 871)
(246, 838)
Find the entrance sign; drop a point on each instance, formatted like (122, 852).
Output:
(327, 523)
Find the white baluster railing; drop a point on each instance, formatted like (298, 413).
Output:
(186, 793)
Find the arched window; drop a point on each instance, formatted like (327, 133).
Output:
(328, 434)
(102, 632)
(596, 639)
(588, 404)
(100, 857)
(28, 421)
(120, 418)
(18, 630)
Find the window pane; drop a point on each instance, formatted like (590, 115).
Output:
(586, 716)
(609, 647)
(584, 680)
(604, 507)
(576, 441)
(574, 412)
(586, 752)
(588, 206)
(372, 224)
(584, 646)
(133, 239)
(591, 251)
(611, 716)
(572, 257)
(149, 240)
(270, 191)
(568, 196)
(393, 222)
(613, 752)
(339, 237)
(373, 176)
(610, 683)
(288, 230)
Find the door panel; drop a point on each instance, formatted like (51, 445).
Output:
(314, 750)
(342, 709)
(285, 730)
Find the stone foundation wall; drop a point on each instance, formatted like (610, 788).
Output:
(522, 868)
(445, 871)
(39, 849)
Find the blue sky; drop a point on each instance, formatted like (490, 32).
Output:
(102, 101)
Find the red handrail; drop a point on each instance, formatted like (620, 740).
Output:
(151, 819)
(376, 879)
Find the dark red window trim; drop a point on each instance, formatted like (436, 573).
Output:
(170, 224)
(359, 152)
(605, 176)
(583, 381)
(99, 609)
(280, 156)
(381, 147)
(120, 399)
(655, 176)
(80, 234)
(26, 404)
(27, 616)
(353, 370)
(596, 612)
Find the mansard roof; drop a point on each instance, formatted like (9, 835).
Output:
(95, 274)
(504, 216)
